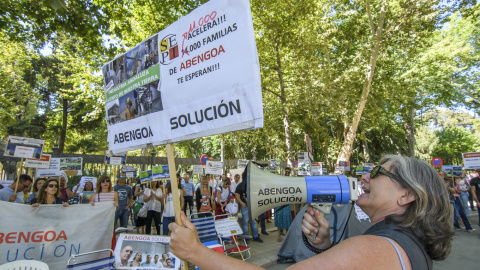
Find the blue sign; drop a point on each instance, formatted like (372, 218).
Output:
(204, 159)
(437, 162)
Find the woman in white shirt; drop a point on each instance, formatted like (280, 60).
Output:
(153, 198)
(168, 212)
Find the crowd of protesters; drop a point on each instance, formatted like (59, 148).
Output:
(210, 195)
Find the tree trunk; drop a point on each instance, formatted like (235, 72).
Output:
(63, 131)
(410, 130)
(351, 128)
(286, 122)
(366, 152)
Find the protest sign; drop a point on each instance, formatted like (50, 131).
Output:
(51, 173)
(316, 169)
(214, 167)
(199, 76)
(133, 250)
(22, 147)
(198, 169)
(471, 160)
(86, 179)
(227, 227)
(110, 159)
(342, 166)
(160, 172)
(42, 163)
(145, 176)
(52, 233)
(86, 195)
(304, 163)
(242, 163)
(71, 165)
(237, 171)
(452, 170)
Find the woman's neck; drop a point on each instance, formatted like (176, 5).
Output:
(50, 198)
(104, 190)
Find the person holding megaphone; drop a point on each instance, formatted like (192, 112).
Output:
(409, 209)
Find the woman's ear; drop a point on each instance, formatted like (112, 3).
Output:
(406, 198)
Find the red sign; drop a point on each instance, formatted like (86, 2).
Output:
(437, 162)
(204, 159)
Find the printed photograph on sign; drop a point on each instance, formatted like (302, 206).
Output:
(71, 165)
(24, 147)
(134, 251)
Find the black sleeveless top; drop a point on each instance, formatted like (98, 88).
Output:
(407, 240)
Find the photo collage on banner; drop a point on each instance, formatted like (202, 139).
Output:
(144, 252)
(199, 76)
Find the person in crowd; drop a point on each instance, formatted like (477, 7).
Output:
(87, 188)
(283, 215)
(469, 178)
(136, 260)
(156, 262)
(168, 212)
(7, 194)
(65, 192)
(203, 197)
(232, 207)
(409, 210)
(139, 221)
(125, 197)
(169, 263)
(475, 187)
(221, 197)
(461, 184)
(36, 188)
(458, 207)
(235, 182)
(188, 196)
(125, 254)
(163, 261)
(153, 197)
(49, 193)
(148, 261)
(241, 197)
(104, 192)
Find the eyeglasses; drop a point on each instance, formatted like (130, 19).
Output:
(52, 185)
(380, 170)
(105, 181)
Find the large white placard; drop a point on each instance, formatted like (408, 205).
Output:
(42, 163)
(52, 233)
(23, 147)
(200, 76)
(471, 160)
(214, 167)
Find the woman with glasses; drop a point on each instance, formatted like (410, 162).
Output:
(37, 185)
(409, 208)
(104, 192)
(203, 198)
(49, 193)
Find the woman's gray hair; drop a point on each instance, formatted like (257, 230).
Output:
(430, 215)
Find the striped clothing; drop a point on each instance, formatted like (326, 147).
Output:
(104, 197)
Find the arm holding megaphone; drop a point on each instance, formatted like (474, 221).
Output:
(316, 227)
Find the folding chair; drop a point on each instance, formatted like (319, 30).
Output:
(106, 263)
(205, 227)
(231, 238)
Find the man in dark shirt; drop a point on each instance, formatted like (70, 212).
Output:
(475, 187)
(241, 197)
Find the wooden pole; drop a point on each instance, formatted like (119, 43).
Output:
(18, 176)
(174, 185)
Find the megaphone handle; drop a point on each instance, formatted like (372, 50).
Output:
(324, 209)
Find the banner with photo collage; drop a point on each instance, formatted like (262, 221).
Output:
(199, 76)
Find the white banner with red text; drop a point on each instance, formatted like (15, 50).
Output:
(52, 233)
